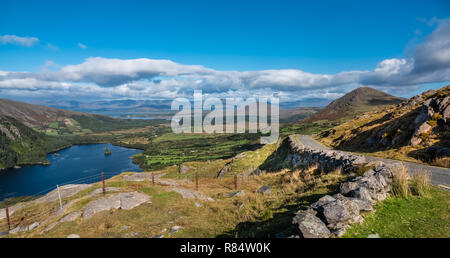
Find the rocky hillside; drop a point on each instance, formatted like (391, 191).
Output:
(32, 115)
(357, 101)
(417, 128)
(55, 121)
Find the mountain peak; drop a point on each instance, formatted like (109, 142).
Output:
(356, 101)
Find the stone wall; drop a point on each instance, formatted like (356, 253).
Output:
(332, 215)
(328, 160)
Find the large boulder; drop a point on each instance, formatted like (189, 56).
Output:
(190, 194)
(264, 189)
(126, 201)
(307, 225)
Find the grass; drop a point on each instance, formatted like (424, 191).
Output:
(413, 217)
(174, 149)
(251, 215)
(400, 183)
(442, 162)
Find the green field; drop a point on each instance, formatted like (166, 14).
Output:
(173, 149)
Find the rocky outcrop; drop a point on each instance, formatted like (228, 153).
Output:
(433, 109)
(308, 225)
(125, 201)
(189, 194)
(265, 189)
(237, 193)
(332, 215)
(225, 169)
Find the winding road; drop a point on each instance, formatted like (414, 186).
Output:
(439, 176)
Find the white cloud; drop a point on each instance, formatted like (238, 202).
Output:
(429, 62)
(16, 40)
(82, 46)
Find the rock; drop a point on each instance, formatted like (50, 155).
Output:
(18, 229)
(71, 217)
(190, 194)
(198, 204)
(158, 236)
(256, 172)
(33, 226)
(362, 193)
(73, 236)
(125, 227)
(183, 169)
(174, 229)
(446, 113)
(363, 205)
(264, 189)
(347, 187)
(173, 182)
(3, 233)
(338, 213)
(237, 193)
(323, 200)
(309, 226)
(134, 234)
(124, 201)
(142, 176)
(164, 230)
(225, 169)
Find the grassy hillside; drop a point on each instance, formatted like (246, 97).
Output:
(54, 121)
(22, 145)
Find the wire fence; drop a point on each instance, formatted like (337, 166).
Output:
(43, 204)
(50, 201)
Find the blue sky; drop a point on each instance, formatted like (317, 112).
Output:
(316, 37)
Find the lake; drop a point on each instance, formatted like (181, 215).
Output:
(77, 164)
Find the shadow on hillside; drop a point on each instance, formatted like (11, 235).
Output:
(393, 134)
(280, 225)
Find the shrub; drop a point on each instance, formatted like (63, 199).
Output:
(420, 183)
(400, 187)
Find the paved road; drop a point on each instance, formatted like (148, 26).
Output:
(439, 176)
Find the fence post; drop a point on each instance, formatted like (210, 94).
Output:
(7, 218)
(103, 183)
(196, 181)
(153, 178)
(235, 182)
(59, 197)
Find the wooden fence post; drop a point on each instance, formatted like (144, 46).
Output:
(235, 182)
(103, 183)
(7, 218)
(196, 181)
(153, 178)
